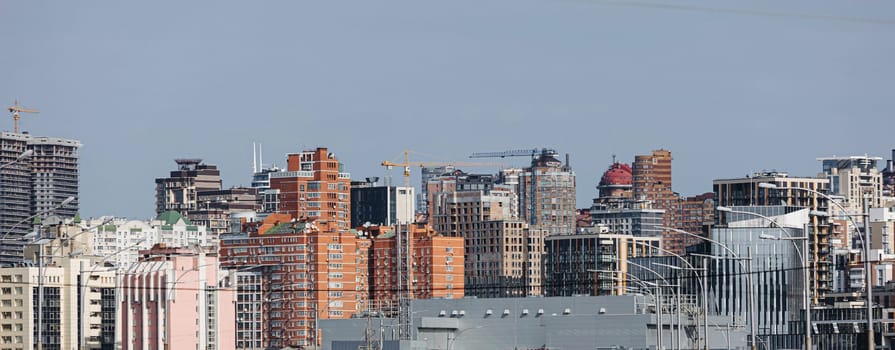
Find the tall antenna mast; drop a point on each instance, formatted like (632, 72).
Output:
(254, 162)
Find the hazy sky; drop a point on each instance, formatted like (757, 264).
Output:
(730, 87)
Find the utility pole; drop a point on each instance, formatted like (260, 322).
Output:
(869, 274)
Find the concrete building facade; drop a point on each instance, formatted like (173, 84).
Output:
(34, 187)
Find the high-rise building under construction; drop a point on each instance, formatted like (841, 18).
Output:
(38, 175)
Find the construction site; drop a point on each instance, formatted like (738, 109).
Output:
(39, 178)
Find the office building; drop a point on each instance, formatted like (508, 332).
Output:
(852, 178)
(381, 204)
(635, 218)
(38, 175)
(547, 194)
(775, 266)
(315, 187)
(745, 192)
(306, 273)
(571, 261)
(177, 298)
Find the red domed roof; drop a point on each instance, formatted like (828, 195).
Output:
(618, 174)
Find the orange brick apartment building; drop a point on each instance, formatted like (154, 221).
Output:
(302, 273)
(436, 265)
(315, 186)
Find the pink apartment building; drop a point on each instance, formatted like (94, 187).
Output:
(177, 299)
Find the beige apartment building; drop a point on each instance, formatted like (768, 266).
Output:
(78, 307)
(503, 254)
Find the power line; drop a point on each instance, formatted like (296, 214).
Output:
(707, 9)
(519, 286)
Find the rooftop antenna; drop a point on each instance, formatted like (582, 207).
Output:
(254, 162)
(260, 156)
(613, 159)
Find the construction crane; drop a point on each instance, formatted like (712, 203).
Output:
(407, 164)
(516, 153)
(15, 110)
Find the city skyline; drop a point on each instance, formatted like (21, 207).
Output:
(447, 79)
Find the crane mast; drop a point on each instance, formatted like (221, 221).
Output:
(15, 110)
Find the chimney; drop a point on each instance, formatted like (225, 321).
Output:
(567, 160)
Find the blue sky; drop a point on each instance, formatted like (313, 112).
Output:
(730, 87)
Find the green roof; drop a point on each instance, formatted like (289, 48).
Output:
(172, 217)
(386, 233)
(287, 228)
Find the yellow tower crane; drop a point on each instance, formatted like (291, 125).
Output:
(15, 110)
(407, 164)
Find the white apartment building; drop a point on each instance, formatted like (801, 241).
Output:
(120, 240)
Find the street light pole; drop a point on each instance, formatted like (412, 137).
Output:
(750, 295)
(865, 241)
(676, 294)
(803, 260)
(657, 297)
(21, 156)
(871, 338)
(703, 282)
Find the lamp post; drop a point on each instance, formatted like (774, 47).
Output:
(803, 260)
(676, 292)
(41, 266)
(750, 298)
(657, 297)
(57, 206)
(85, 286)
(677, 295)
(808, 327)
(864, 240)
(453, 337)
(702, 282)
(21, 156)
